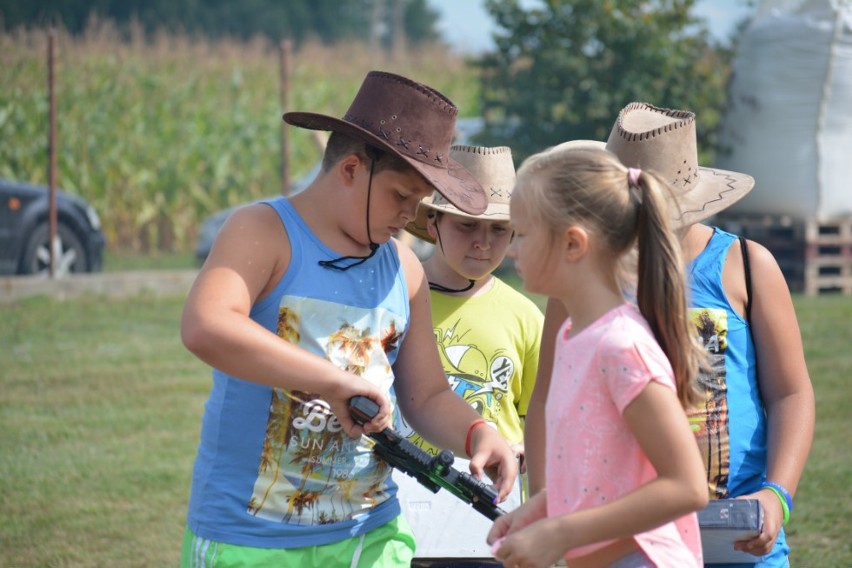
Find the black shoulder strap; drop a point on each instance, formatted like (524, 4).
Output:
(747, 270)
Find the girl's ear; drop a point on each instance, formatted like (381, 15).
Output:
(575, 243)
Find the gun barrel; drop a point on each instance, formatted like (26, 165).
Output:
(433, 472)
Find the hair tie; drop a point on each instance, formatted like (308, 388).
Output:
(633, 177)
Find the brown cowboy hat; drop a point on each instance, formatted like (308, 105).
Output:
(664, 140)
(411, 121)
(495, 171)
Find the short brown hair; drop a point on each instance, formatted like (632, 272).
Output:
(340, 145)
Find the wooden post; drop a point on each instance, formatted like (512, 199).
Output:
(51, 152)
(376, 25)
(398, 45)
(285, 91)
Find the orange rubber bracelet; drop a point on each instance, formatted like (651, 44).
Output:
(470, 430)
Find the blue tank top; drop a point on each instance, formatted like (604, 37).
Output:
(273, 470)
(730, 424)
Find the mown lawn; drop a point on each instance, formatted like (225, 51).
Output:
(101, 406)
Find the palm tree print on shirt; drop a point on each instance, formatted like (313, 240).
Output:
(709, 419)
(310, 471)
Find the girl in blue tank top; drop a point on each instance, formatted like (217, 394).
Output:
(756, 423)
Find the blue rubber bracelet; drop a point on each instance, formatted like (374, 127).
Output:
(781, 490)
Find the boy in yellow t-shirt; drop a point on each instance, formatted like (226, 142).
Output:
(488, 337)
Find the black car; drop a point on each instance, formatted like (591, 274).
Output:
(25, 232)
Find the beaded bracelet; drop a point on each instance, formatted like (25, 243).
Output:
(470, 430)
(783, 496)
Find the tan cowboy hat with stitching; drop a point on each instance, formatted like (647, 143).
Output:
(664, 140)
(495, 171)
(412, 121)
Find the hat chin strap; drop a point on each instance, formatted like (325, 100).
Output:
(440, 288)
(344, 263)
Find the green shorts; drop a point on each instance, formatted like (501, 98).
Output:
(390, 545)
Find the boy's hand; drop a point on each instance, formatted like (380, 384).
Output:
(521, 455)
(493, 456)
(357, 386)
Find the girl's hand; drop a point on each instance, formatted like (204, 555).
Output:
(539, 545)
(773, 520)
(531, 511)
(501, 527)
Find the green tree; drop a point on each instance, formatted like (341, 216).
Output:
(563, 69)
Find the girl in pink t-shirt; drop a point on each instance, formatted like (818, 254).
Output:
(623, 474)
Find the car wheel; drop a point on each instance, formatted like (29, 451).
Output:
(69, 253)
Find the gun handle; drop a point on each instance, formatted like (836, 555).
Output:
(362, 409)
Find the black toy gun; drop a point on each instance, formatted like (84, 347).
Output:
(432, 472)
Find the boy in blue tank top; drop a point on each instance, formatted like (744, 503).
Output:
(305, 302)
(755, 425)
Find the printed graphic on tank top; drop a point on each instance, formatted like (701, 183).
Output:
(310, 471)
(709, 420)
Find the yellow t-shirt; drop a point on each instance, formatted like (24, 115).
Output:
(489, 350)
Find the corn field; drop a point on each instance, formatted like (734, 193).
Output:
(159, 132)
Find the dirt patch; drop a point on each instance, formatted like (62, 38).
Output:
(112, 284)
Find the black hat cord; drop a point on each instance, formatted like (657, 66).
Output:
(438, 287)
(340, 262)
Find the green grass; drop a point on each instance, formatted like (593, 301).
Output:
(101, 407)
(822, 520)
(100, 413)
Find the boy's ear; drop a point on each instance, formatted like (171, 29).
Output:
(347, 168)
(575, 243)
(431, 229)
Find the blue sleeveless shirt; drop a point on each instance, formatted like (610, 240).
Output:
(272, 469)
(730, 424)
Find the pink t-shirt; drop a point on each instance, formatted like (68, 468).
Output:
(592, 456)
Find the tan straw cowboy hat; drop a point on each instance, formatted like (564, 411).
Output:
(664, 140)
(495, 171)
(411, 121)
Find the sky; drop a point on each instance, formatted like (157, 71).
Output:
(467, 26)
